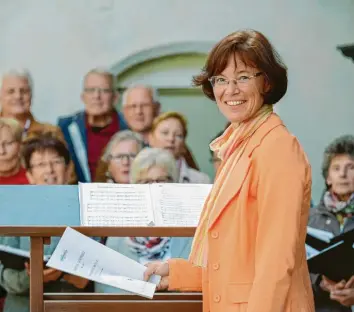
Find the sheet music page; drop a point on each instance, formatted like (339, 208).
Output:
(108, 204)
(80, 255)
(179, 204)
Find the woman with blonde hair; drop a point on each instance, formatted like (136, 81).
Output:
(11, 171)
(169, 131)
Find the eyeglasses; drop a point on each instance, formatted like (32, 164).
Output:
(55, 163)
(241, 81)
(166, 179)
(99, 90)
(120, 157)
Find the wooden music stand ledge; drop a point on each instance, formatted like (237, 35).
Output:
(47, 209)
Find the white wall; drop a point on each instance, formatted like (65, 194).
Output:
(60, 40)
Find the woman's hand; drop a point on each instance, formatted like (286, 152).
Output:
(158, 268)
(329, 285)
(350, 283)
(49, 275)
(77, 281)
(342, 292)
(343, 296)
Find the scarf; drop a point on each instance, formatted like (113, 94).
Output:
(150, 248)
(229, 147)
(342, 209)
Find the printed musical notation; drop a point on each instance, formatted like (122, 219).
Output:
(165, 204)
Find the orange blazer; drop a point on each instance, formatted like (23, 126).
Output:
(256, 241)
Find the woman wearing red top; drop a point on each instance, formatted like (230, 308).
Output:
(11, 171)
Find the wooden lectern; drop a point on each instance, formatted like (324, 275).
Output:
(42, 212)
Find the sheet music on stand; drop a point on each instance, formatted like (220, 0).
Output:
(179, 204)
(106, 204)
(168, 204)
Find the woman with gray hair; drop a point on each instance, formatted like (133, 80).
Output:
(335, 214)
(152, 165)
(118, 155)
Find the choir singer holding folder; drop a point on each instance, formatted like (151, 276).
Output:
(248, 252)
(335, 214)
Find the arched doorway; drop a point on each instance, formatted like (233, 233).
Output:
(170, 69)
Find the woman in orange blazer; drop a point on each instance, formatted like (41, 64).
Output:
(248, 253)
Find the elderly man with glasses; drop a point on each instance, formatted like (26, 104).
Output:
(88, 132)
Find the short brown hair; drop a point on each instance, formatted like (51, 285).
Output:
(43, 143)
(256, 51)
(169, 115)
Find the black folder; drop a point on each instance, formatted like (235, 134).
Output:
(336, 262)
(316, 243)
(336, 257)
(14, 258)
(345, 236)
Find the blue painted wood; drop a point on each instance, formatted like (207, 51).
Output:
(35, 205)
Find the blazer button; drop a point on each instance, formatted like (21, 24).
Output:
(215, 234)
(216, 266)
(217, 298)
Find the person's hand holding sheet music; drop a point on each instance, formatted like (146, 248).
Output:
(159, 268)
(77, 281)
(49, 274)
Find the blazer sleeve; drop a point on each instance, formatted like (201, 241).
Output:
(284, 186)
(184, 276)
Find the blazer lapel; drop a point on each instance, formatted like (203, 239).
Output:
(231, 187)
(235, 178)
